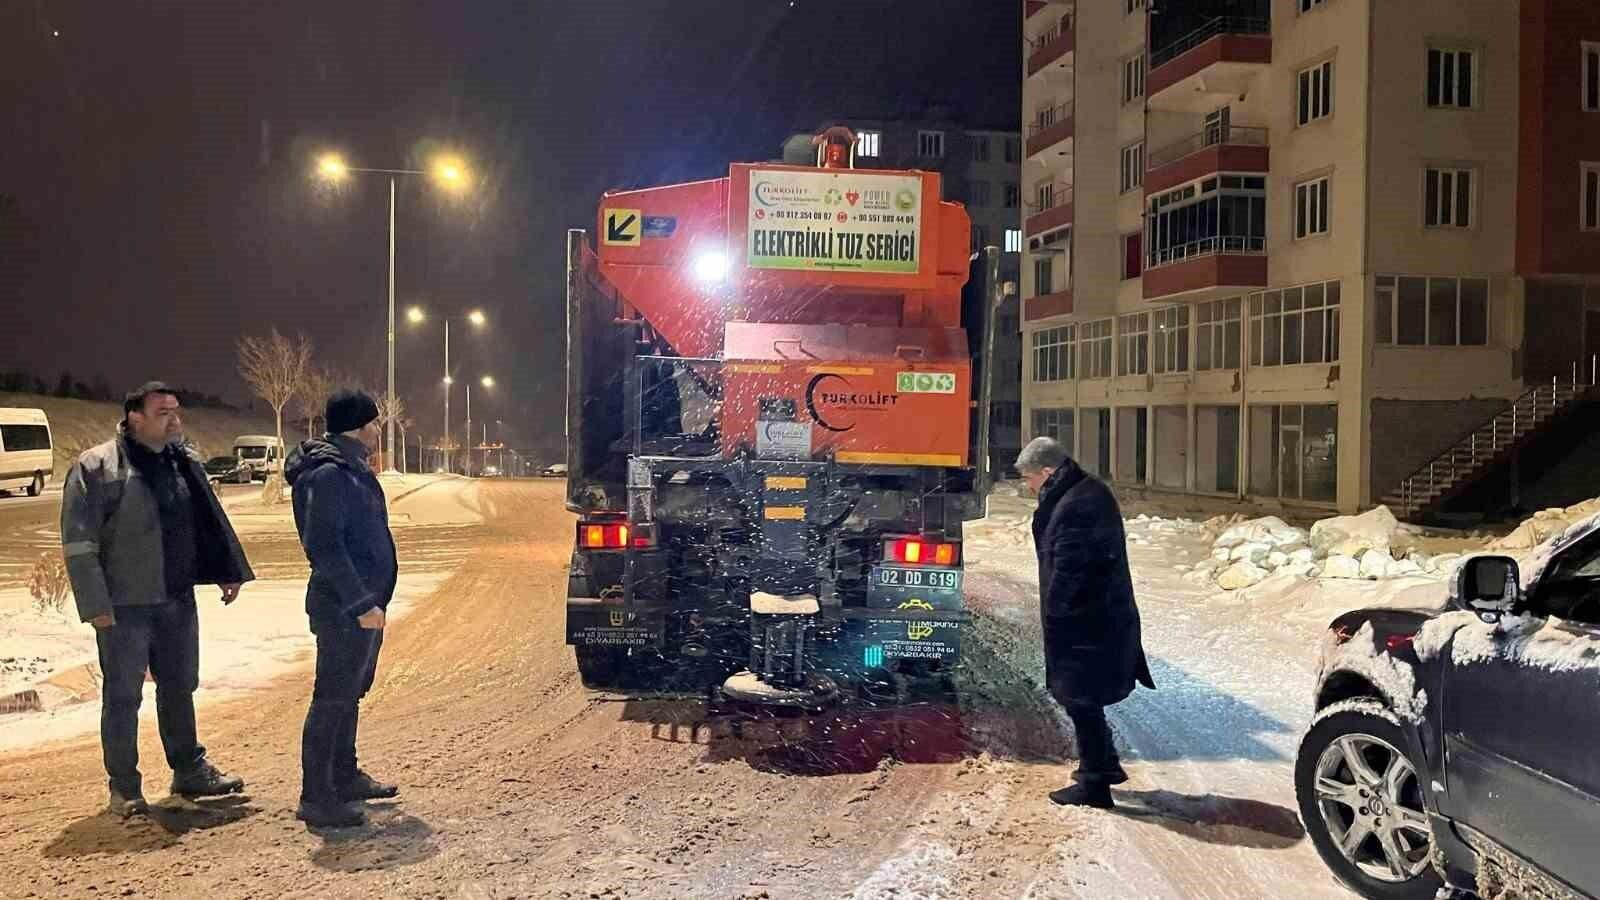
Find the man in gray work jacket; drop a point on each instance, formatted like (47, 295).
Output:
(140, 528)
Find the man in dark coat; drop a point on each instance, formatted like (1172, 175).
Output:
(1093, 655)
(140, 529)
(343, 520)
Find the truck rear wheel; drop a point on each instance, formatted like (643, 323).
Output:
(600, 666)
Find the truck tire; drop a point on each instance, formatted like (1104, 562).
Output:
(1332, 792)
(600, 666)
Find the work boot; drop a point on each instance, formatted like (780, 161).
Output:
(125, 805)
(205, 780)
(1117, 775)
(1085, 793)
(331, 814)
(364, 787)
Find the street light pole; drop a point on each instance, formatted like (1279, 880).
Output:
(445, 444)
(468, 438)
(388, 462)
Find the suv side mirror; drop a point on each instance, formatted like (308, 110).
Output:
(1489, 586)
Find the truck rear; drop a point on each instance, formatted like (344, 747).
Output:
(770, 431)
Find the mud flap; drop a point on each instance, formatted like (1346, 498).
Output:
(595, 623)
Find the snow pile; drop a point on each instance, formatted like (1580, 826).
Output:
(1372, 546)
(1544, 525)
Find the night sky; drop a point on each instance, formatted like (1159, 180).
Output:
(156, 200)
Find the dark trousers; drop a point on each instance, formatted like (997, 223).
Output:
(1097, 752)
(166, 640)
(347, 660)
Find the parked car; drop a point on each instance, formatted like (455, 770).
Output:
(1455, 743)
(228, 470)
(559, 470)
(26, 457)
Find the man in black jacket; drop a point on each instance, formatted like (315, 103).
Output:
(1093, 655)
(343, 520)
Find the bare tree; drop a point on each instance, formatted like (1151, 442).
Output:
(309, 399)
(275, 367)
(387, 413)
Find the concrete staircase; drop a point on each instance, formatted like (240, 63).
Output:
(1488, 445)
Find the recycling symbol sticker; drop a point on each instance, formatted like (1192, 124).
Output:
(926, 383)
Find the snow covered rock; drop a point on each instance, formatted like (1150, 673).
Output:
(1255, 553)
(1221, 554)
(1270, 530)
(1341, 567)
(1354, 535)
(1304, 554)
(1375, 564)
(1298, 569)
(1443, 564)
(1403, 568)
(1241, 574)
(1277, 559)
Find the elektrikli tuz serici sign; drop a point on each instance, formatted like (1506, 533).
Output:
(834, 220)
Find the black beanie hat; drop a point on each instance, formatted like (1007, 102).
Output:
(349, 410)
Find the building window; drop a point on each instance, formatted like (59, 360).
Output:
(1309, 5)
(930, 144)
(1053, 354)
(1054, 423)
(1220, 214)
(1315, 93)
(1013, 195)
(1294, 452)
(1295, 325)
(1132, 166)
(1171, 337)
(980, 193)
(1043, 270)
(1013, 150)
(1094, 349)
(1450, 74)
(1132, 79)
(980, 148)
(1132, 255)
(1013, 240)
(1216, 335)
(869, 143)
(1311, 208)
(1133, 344)
(1417, 311)
(1447, 198)
(1591, 77)
(1129, 7)
(1590, 204)
(1045, 194)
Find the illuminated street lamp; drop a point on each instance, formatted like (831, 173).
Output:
(416, 315)
(487, 382)
(449, 172)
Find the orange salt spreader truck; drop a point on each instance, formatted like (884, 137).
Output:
(770, 418)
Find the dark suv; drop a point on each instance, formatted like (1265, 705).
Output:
(1458, 746)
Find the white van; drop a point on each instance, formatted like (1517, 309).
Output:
(263, 453)
(26, 460)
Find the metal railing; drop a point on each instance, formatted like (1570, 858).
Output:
(1213, 136)
(1060, 194)
(1219, 25)
(1049, 117)
(1210, 246)
(1061, 26)
(1484, 444)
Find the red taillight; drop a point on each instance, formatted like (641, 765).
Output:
(602, 535)
(918, 552)
(1395, 641)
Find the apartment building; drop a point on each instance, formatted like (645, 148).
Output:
(981, 168)
(1293, 250)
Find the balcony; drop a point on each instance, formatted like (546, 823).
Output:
(1046, 305)
(1219, 57)
(1053, 211)
(1050, 127)
(1206, 269)
(1050, 49)
(1219, 148)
